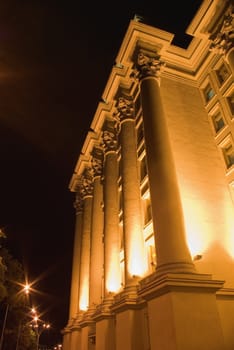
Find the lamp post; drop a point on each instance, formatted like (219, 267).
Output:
(26, 290)
(39, 327)
(4, 325)
(40, 330)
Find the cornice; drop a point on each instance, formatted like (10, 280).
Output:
(185, 65)
(84, 159)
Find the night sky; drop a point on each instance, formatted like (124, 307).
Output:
(55, 59)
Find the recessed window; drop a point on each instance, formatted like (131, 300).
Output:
(228, 152)
(151, 257)
(223, 74)
(147, 211)
(140, 133)
(218, 121)
(143, 168)
(208, 92)
(137, 104)
(230, 100)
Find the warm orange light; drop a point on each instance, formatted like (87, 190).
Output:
(137, 259)
(113, 274)
(84, 295)
(228, 240)
(198, 230)
(208, 221)
(26, 288)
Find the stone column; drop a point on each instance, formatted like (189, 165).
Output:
(135, 263)
(181, 303)
(222, 41)
(66, 339)
(112, 274)
(97, 252)
(171, 248)
(74, 295)
(87, 192)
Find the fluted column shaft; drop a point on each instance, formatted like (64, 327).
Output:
(74, 295)
(132, 210)
(96, 262)
(111, 224)
(171, 248)
(85, 254)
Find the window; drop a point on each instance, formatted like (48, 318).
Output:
(137, 104)
(143, 168)
(222, 74)
(152, 255)
(208, 93)
(122, 272)
(228, 152)
(140, 134)
(218, 121)
(147, 211)
(230, 100)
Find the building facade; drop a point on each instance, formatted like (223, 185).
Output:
(153, 262)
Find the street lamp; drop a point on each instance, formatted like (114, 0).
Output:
(39, 327)
(26, 290)
(4, 325)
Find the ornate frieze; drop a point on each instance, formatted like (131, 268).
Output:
(109, 136)
(147, 65)
(223, 39)
(125, 108)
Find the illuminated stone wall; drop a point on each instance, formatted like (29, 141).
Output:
(154, 192)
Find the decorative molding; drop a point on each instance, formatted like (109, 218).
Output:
(97, 161)
(86, 188)
(223, 39)
(147, 66)
(109, 136)
(78, 203)
(125, 108)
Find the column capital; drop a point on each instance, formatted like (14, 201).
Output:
(78, 203)
(125, 108)
(223, 39)
(147, 65)
(109, 136)
(97, 161)
(86, 182)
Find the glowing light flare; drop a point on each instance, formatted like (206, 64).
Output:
(198, 230)
(137, 263)
(27, 289)
(84, 296)
(113, 273)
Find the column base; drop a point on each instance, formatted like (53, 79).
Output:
(127, 299)
(182, 311)
(176, 267)
(104, 309)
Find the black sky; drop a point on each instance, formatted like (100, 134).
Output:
(55, 59)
